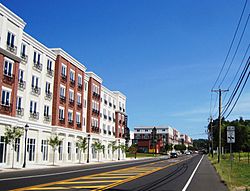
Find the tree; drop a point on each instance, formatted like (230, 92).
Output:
(123, 148)
(97, 145)
(113, 147)
(180, 147)
(54, 142)
(133, 149)
(168, 147)
(11, 134)
(82, 146)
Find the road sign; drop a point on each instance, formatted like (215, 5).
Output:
(230, 134)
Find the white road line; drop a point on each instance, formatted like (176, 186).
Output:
(68, 172)
(192, 175)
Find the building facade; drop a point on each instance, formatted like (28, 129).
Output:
(53, 94)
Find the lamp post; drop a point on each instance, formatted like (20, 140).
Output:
(26, 128)
(88, 148)
(118, 149)
(154, 138)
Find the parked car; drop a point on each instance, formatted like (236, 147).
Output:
(173, 155)
(187, 153)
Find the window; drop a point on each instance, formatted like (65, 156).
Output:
(19, 103)
(69, 150)
(64, 70)
(33, 106)
(62, 91)
(61, 113)
(138, 130)
(44, 149)
(79, 80)
(11, 39)
(71, 95)
(49, 65)
(20, 75)
(78, 118)
(3, 149)
(47, 88)
(8, 68)
(46, 110)
(85, 86)
(37, 57)
(23, 50)
(6, 97)
(34, 82)
(31, 149)
(72, 75)
(79, 98)
(85, 103)
(70, 116)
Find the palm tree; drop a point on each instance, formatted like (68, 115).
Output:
(113, 147)
(11, 134)
(82, 146)
(97, 145)
(54, 142)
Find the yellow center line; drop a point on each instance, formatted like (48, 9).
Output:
(87, 182)
(79, 187)
(49, 188)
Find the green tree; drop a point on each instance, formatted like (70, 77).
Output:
(180, 147)
(82, 146)
(113, 147)
(11, 134)
(97, 145)
(168, 147)
(133, 149)
(54, 141)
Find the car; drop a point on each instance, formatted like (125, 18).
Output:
(187, 153)
(173, 155)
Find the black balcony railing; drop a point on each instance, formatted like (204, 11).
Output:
(95, 129)
(21, 84)
(71, 122)
(8, 78)
(105, 116)
(79, 86)
(78, 124)
(110, 104)
(95, 111)
(62, 120)
(11, 48)
(120, 108)
(36, 90)
(72, 82)
(71, 101)
(79, 104)
(96, 95)
(123, 110)
(105, 131)
(109, 132)
(34, 115)
(37, 66)
(110, 119)
(47, 118)
(5, 108)
(48, 95)
(64, 77)
(114, 106)
(19, 111)
(62, 99)
(105, 102)
(50, 72)
(113, 119)
(114, 133)
(24, 57)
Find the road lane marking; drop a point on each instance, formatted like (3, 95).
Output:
(192, 175)
(87, 182)
(50, 188)
(69, 172)
(87, 187)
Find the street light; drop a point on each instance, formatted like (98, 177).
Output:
(26, 128)
(88, 148)
(119, 149)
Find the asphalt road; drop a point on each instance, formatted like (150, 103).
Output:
(145, 175)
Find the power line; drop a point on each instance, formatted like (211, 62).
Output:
(235, 33)
(238, 96)
(242, 34)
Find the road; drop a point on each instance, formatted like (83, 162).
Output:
(149, 174)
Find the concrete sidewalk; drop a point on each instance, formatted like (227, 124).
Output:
(206, 178)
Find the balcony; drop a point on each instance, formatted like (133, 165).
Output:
(5, 108)
(35, 90)
(19, 112)
(8, 78)
(109, 132)
(105, 102)
(105, 131)
(72, 82)
(71, 102)
(24, 58)
(79, 105)
(113, 133)
(123, 123)
(105, 116)
(120, 121)
(62, 120)
(64, 77)
(110, 104)
(114, 106)
(37, 66)
(62, 99)
(71, 122)
(21, 85)
(120, 108)
(50, 72)
(47, 118)
(34, 115)
(95, 129)
(78, 124)
(113, 119)
(11, 48)
(96, 95)
(110, 119)
(94, 111)
(48, 95)
(79, 86)
(123, 110)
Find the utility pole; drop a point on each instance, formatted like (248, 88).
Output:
(212, 136)
(219, 122)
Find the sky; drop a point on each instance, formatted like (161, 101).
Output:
(163, 55)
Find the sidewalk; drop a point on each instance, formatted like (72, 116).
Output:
(206, 178)
(61, 165)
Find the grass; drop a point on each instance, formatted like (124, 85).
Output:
(140, 155)
(239, 177)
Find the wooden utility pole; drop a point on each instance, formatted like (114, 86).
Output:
(219, 122)
(212, 136)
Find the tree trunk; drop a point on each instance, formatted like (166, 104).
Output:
(80, 156)
(54, 156)
(13, 156)
(98, 155)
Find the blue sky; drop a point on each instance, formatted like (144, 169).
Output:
(164, 55)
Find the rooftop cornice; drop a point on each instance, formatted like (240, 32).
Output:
(94, 76)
